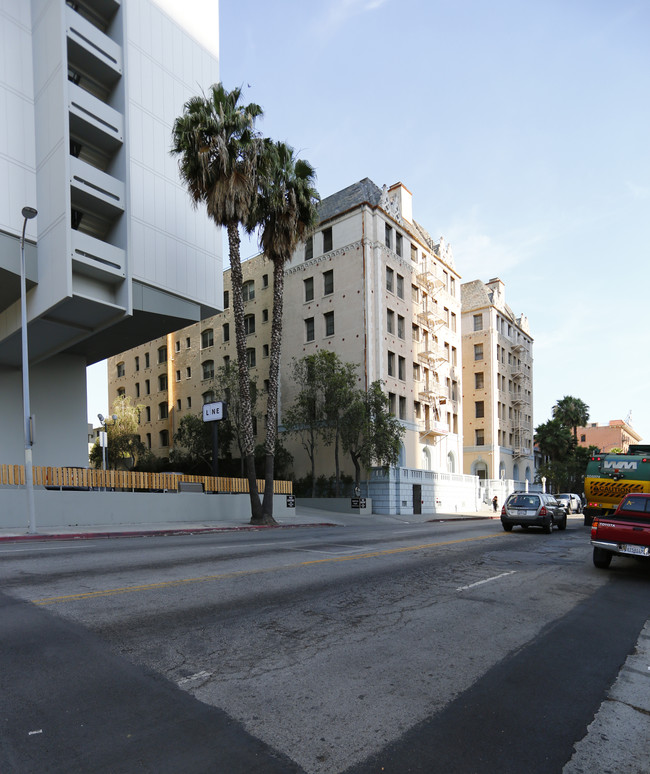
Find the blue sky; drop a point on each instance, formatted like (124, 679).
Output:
(520, 127)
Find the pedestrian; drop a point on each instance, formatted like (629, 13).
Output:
(495, 503)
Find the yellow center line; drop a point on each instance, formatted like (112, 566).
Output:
(239, 573)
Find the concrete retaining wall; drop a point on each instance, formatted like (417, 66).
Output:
(56, 508)
(334, 504)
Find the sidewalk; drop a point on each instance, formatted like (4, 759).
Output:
(304, 517)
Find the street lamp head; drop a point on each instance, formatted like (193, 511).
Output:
(100, 417)
(29, 213)
(114, 417)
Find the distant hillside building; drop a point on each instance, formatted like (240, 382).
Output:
(116, 255)
(617, 434)
(497, 385)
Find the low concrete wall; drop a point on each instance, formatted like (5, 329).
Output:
(56, 508)
(334, 504)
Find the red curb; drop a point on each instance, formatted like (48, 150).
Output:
(150, 533)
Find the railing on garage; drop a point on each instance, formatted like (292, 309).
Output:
(130, 481)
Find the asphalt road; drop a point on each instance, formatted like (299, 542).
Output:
(448, 647)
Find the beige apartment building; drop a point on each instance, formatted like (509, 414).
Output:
(497, 385)
(175, 375)
(617, 434)
(371, 285)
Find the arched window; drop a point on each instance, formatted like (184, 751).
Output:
(451, 463)
(162, 354)
(163, 411)
(164, 437)
(250, 357)
(426, 458)
(480, 469)
(207, 338)
(121, 392)
(208, 397)
(249, 324)
(120, 369)
(248, 291)
(515, 472)
(162, 382)
(208, 369)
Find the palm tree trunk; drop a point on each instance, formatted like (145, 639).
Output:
(244, 377)
(272, 397)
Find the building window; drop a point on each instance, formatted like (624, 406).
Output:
(178, 375)
(478, 352)
(189, 402)
(164, 437)
(401, 368)
(248, 291)
(400, 286)
(147, 413)
(121, 392)
(391, 403)
(266, 385)
(188, 342)
(163, 411)
(207, 397)
(265, 280)
(479, 409)
(265, 350)
(162, 354)
(179, 405)
(137, 389)
(414, 253)
(120, 369)
(226, 331)
(398, 243)
(188, 373)
(265, 315)
(417, 408)
(226, 299)
(147, 387)
(479, 382)
(583, 438)
(226, 361)
(478, 322)
(250, 357)
(162, 382)
(390, 275)
(416, 372)
(309, 288)
(327, 240)
(391, 363)
(329, 323)
(388, 235)
(453, 321)
(479, 437)
(454, 356)
(146, 360)
(249, 324)
(137, 363)
(207, 338)
(415, 294)
(208, 369)
(309, 329)
(148, 440)
(400, 326)
(328, 282)
(178, 346)
(416, 332)
(390, 321)
(402, 407)
(309, 248)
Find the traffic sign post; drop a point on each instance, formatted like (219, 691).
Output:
(215, 413)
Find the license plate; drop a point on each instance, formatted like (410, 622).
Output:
(638, 550)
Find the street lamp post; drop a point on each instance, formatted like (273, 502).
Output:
(28, 213)
(104, 421)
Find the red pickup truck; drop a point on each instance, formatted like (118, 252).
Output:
(626, 532)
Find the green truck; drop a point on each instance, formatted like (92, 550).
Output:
(609, 477)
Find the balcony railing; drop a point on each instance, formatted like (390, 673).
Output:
(90, 50)
(94, 120)
(95, 191)
(96, 258)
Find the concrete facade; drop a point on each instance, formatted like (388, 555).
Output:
(497, 386)
(117, 255)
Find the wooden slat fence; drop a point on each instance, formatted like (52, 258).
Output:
(125, 480)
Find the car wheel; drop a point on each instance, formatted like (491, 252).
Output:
(562, 524)
(548, 528)
(506, 527)
(602, 558)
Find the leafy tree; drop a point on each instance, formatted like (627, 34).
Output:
(371, 434)
(219, 153)
(285, 213)
(232, 429)
(124, 445)
(571, 412)
(194, 437)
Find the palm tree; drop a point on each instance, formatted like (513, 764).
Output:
(285, 212)
(571, 412)
(219, 152)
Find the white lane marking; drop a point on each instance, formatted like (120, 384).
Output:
(42, 548)
(197, 676)
(487, 580)
(31, 733)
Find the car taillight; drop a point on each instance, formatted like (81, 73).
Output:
(543, 511)
(503, 510)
